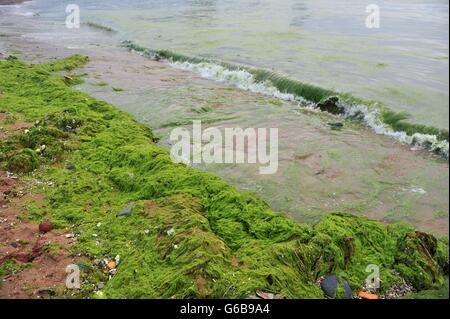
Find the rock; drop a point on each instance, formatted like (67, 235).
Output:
(100, 285)
(331, 284)
(127, 210)
(336, 126)
(45, 227)
(46, 292)
(330, 104)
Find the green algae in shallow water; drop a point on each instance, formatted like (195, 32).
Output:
(340, 102)
(190, 234)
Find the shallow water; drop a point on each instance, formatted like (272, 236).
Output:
(403, 64)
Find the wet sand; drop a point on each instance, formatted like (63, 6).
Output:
(11, 2)
(320, 170)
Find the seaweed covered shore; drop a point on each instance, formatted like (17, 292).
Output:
(184, 233)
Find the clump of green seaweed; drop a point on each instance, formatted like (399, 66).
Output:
(190, 234)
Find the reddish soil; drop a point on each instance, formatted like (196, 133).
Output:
(10, 129)
(21, 241)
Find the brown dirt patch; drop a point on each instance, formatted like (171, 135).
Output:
(21, 241)
(10, 129)
(19, 126)
(46, 274)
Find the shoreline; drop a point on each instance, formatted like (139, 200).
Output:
(191, 213)
(141, 226)
(143, 88)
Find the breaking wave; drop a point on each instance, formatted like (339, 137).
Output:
(309, 96)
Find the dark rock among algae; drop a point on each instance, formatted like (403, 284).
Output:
(226, 243)
(335, 287)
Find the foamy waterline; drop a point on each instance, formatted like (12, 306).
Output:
(373, 120)
(241, 78)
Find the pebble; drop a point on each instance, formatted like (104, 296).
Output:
(170, 232)
(127, 210)
(329, 286)
(45, 227)
(11, 175)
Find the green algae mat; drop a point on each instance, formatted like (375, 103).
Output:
(189, 234)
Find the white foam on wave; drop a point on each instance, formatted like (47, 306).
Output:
(369, 117)
(372, 119)
(240, 78)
